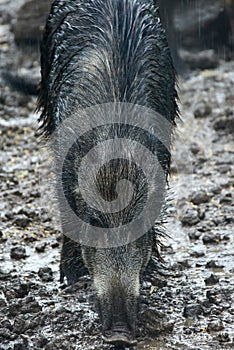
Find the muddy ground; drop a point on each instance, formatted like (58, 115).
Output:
(189, 302)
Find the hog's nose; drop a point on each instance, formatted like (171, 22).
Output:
(119, 335)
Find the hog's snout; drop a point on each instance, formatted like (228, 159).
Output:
(119, 328)
(118, 312)
(119, 335)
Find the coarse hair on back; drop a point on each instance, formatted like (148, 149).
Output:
(96, 51)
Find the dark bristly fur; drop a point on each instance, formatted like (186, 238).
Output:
(95, 52)
(127, 36)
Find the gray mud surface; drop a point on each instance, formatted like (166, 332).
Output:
(188, 303)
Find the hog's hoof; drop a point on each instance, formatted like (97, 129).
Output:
(119, 338)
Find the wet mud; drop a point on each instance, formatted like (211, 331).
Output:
(187, 302)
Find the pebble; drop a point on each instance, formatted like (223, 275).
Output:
(24, 306)
(3, 302)
(5, 323)
(189, 216)
(215, 325)
(194, 234)
(199, 196)
(210, 238)
(212, 264)
(2, 237)
(202, 110)
(198, 252)
(22, 221)
(54, 244)
(212, 297)
(5, 333)
(18, 253)
(40, 247)
(20, 290)
(224, 338)
(211, 280)
(226, 198)
(225, 124)
(156, 322)
(19, 325)
(216, 189)
(223, 169)
(46, 274)
(21, 345)
(158, 282)
(192, 310)
(195, 148)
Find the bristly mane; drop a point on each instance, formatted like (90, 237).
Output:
(97, 51)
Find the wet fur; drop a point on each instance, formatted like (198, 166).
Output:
(96, 52)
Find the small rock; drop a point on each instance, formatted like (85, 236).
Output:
(20, 290)
(224, 338)
(156, 322)
(229, 218)
(5, 333)
(4, 275)
(21, 221)
(57, 344)
(225, 124)
(7, 324)
(2, 237)
(21, 345)
(184, 264)
(189, 216)
(203, 110)
(212, 297)
(198, 252)
(2, 302)
(158, 282)
(194, 147)
(30, 237)
(46, 274)
(215, 189)
(210, 281)
(213, 265)
(224, 168)
(210, 238)
(226, 198)
(193, 310)
(201, 213)
(19, 325)
(18, 253)
(200, 196)
(42, 340)
(40, 247)
(194, 234)
(215, 325)
(24, 306)
(54, 244)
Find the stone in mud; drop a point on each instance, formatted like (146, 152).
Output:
(199, 196)
(18, 253)
(192, 310)
(211, 280)
(46, 274)
(189, 215)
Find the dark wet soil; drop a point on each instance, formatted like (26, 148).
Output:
(188, 303)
